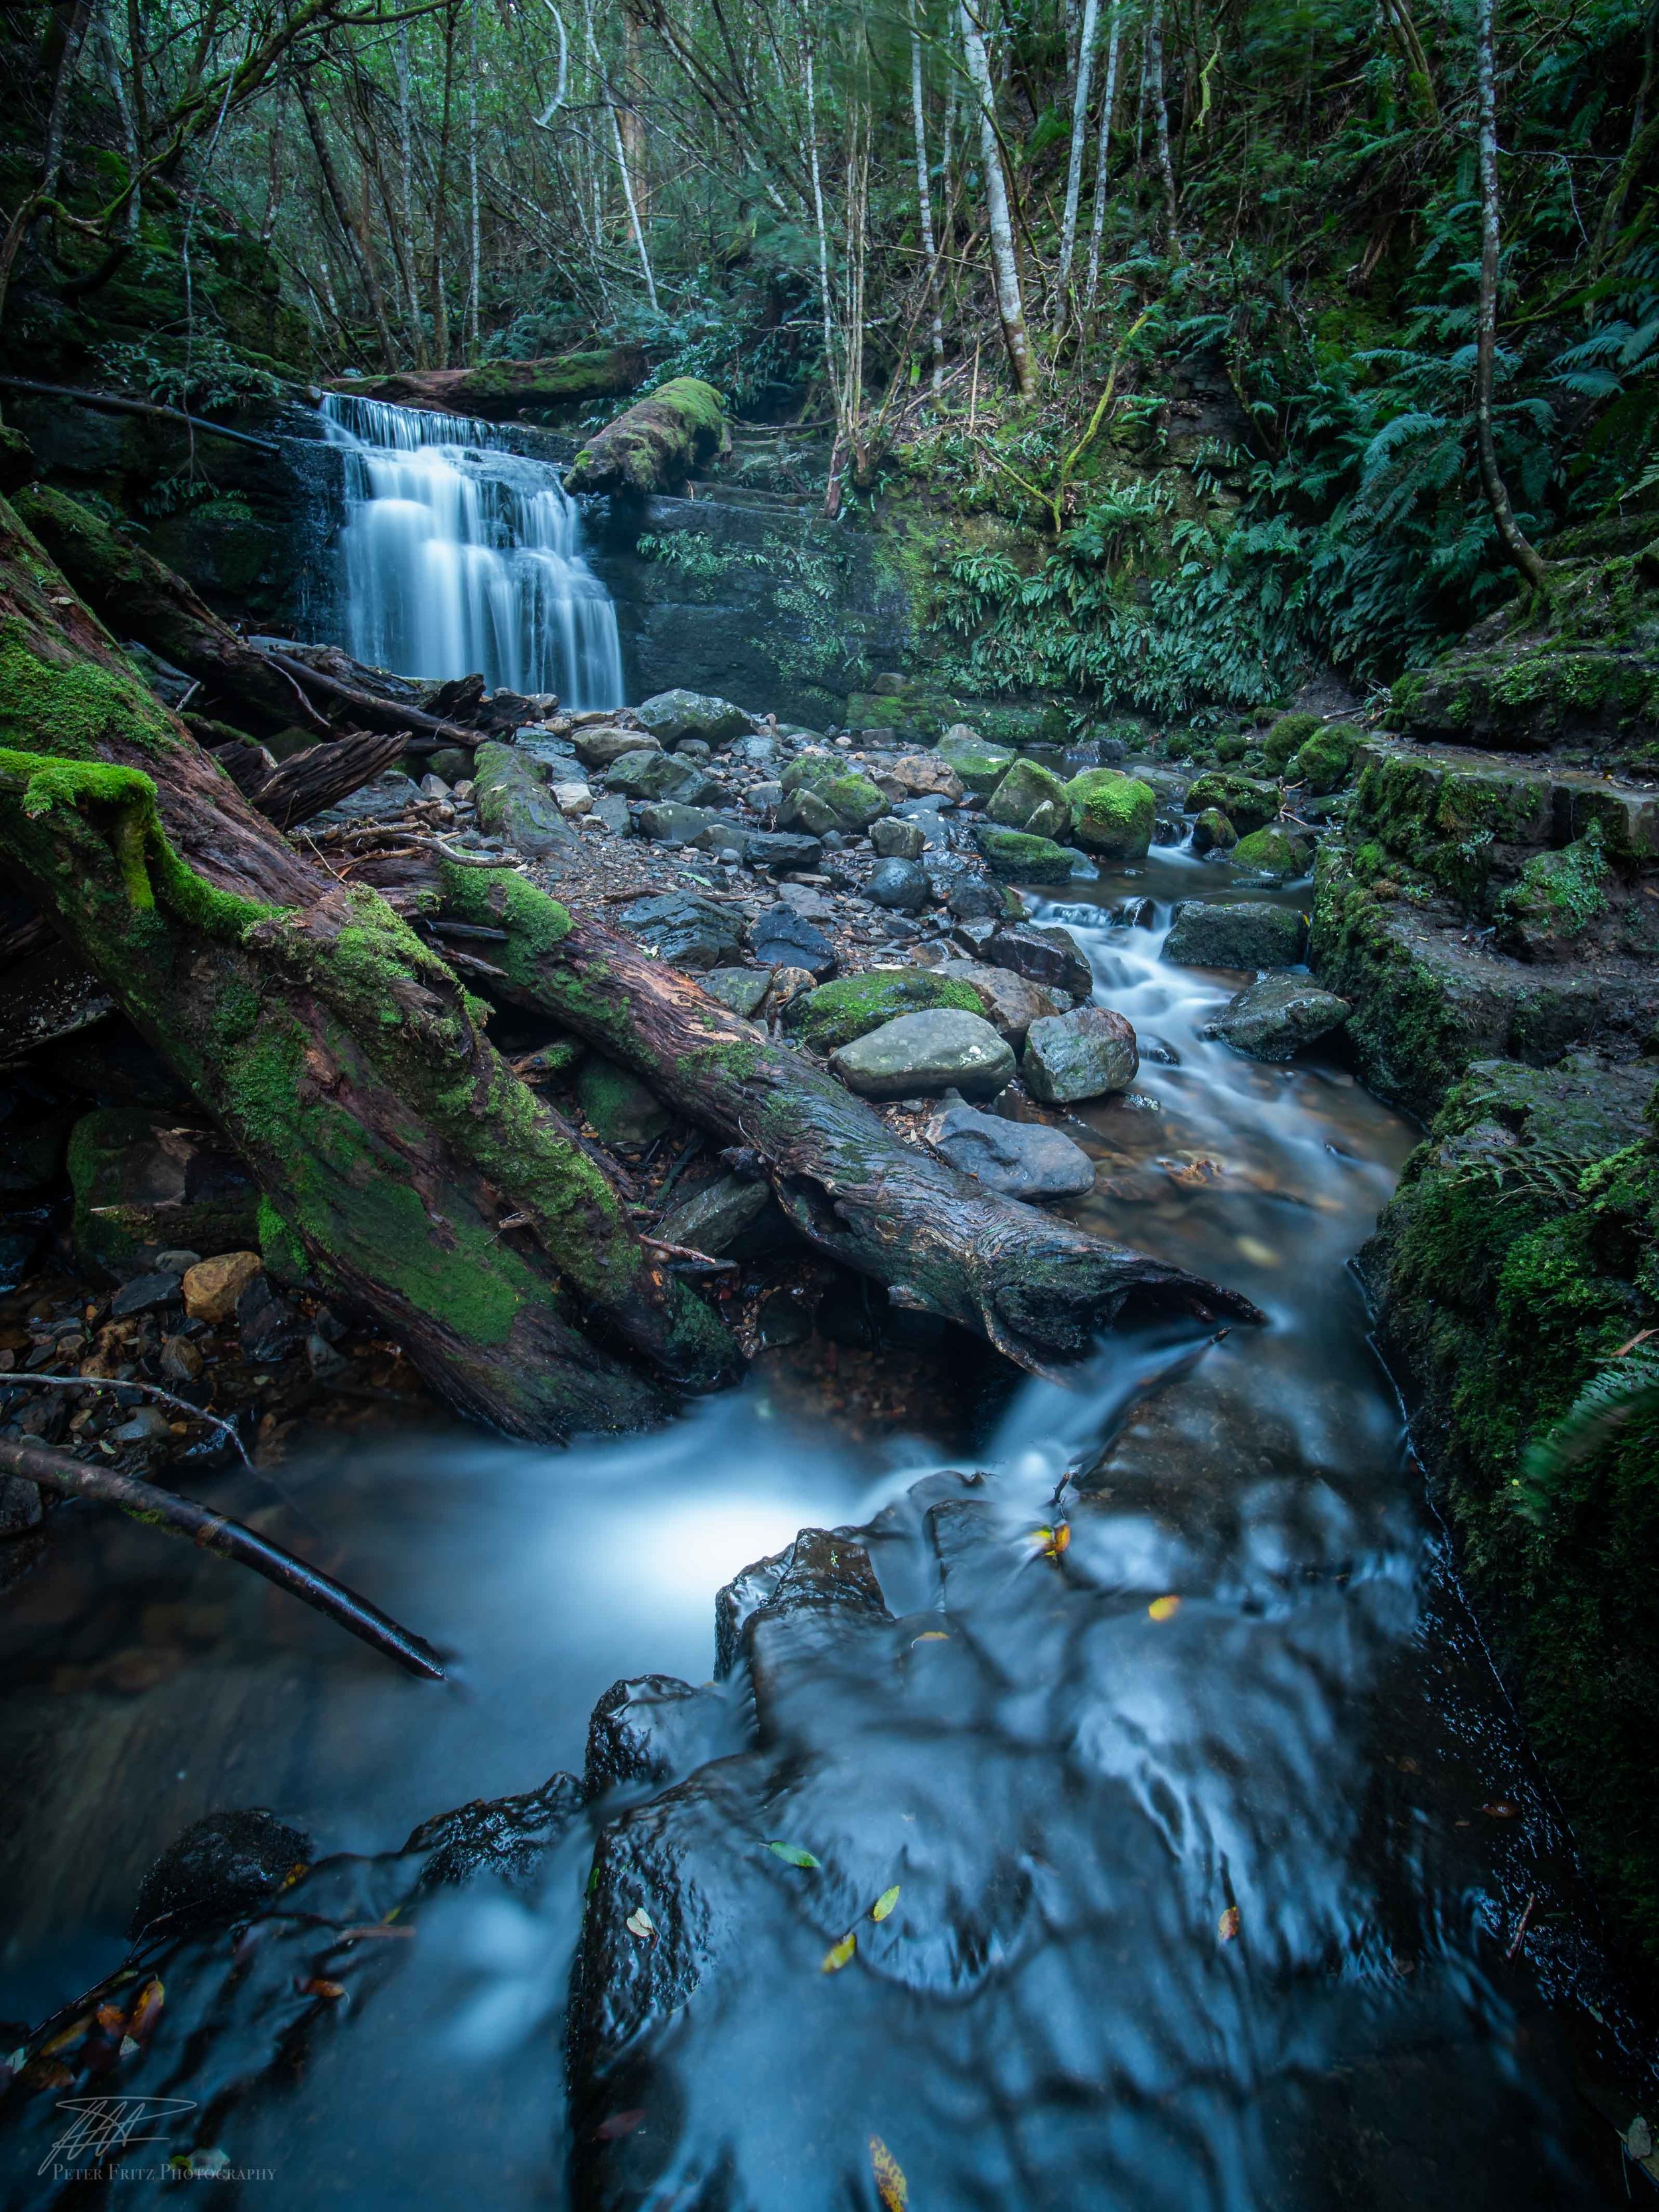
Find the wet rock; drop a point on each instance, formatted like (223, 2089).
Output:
(763, 797)
(224, 1868)
(180, 1360)
(146, 1425)
(670, 823)
(672, 716)
(686, 931)
(212, 1287)
(804, 811)
(931, 1052)
(1010, 1002)
(1272, 853)
(613, 812)
(573, 799)
(742, 989)
(1045, 953)
(927, 775)
(1026, 859)
(837, 1013)
(514, 802)
(982, 766)
(1208, 933)
(649, 1729)
(619, 1108)
(20, 1506)
(1087, 1053)
(894, 839)
(1276, 1017)
(265, 1323)
(974, 900)
(900, 885)
(1247, 804)
(713, 1218)
(603, 746)
(781, 938)
(145, 1293)
(393, 793)
(507, 1837)
(659, 775)
(781, 852)
(1020, 1160)
(1213, 833)
(854, 800)
(1031, 799)
(1112, 814)
(141, 1179)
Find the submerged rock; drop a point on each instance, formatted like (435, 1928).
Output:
(1209, 934)
(927, 1052)
(1276, 1017)
(1020, 1160)
(1086, 1053)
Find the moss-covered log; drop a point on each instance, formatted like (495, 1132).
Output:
(139, 597)
(1039, 1289)
(503, 388)
(654, 444)
(341, 1054)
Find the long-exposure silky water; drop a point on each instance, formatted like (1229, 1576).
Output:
(458, 556)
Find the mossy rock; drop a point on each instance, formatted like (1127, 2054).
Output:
(1017, 726)
(1032, 798)
(618, 1107)
(1022, 858)
(654, 444)
(1559, 896)
(1287, 736)
(1270, 852)
(1112, 814)
(1246, 805)
(854, 800)
(980, 764)
(1213, 833)
(852, 1006)
(1325, 762)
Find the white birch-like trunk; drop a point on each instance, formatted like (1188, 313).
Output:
(1098, 226)
(473, 252)
(1085, 57)
(406, 198)
(1161, 126)
(1005, 268)
(924, 194)
(1517, 547)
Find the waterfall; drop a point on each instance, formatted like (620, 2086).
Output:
(458, 556)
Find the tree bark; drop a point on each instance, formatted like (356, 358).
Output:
(322, 775)
(1085, 59)
(1161, 128)
(924, 194)
(1518, 549)
(341, 1055)
(1039, 1289)
(1097, 217)
(1005, 267)
(354, 232)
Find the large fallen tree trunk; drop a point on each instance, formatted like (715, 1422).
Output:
(1039, 1288)
(341, 1054)
(305, 782)
(654, 444)
(425, 733)
(138, 597)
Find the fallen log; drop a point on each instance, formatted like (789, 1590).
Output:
(423, 732)
(137, 596)
(654, 444)
(342, 1055)
(1039, 1288)
(305, 782)
(198, 1524)
(115, 402)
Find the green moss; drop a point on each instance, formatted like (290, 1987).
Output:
(72, 708)
(1248, 805)
(280, 1245)
(982, 766)
(852, 797)
(852, 1006)
(1288, 734)
(1323, 761)
(1270, 851)
(1032, 798)
(1558, 895)
(1021, 858)
(1112, 814)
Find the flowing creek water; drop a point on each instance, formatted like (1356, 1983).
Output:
(1249, 1901)
(458, 556)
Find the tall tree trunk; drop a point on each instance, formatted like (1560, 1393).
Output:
(474, 273)
(832, 489)
(1005, 267)
(607, 93)
(1085, 57)
(406, 197)
(440, 200)
(924, 194)
(52, 155)
(1098, 222)
(1518, 549)
(1161, 127)
(354, 232)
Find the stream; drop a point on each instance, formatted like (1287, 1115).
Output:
(1251, 1901)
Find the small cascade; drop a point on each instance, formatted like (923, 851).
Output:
(458, 556)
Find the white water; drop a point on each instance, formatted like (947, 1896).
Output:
(456, 557)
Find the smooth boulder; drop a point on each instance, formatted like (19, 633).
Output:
(671, 715)
(1020, 1159)
(1011, 1003)
(1277, 1016)
(1086, 1053)
(1112, 814)
(1213, 933)
(835, 1013)
(1045, 953)
(919, 1053)
(900, 885)
(514, 802)
(683, 929)
(783, 938)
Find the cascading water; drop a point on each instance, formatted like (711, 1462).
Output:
(457, 556)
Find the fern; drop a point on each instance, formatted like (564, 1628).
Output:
(1603, 1413)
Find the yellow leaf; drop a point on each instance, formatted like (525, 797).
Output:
(891, 2184)
(838, 1953)
(930, 1636)
(1227, 1926)
(1165, 1609)
(885, 1904)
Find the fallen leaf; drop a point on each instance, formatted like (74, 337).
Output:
(640, 1922)
(1503, 1810)
(891, 2184)
(885, 1904)
(619, 2124)
(794, 1855)
(318, 1988)
(1165, 1609)
(141, 2021)
(1253, 1248)
(1227, 1926)
(838, 1953)
(930, 1636)
(1051, 1542)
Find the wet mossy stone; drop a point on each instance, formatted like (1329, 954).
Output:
(835, 1013)
(222, 1869)
(514, 802)
(1324, 762)
(741, 989)
(1246, 805)
(1087, 1053)
(1021, 858)
(656, 775)
(854, 800)
(1031, 799)
(944, 1048)
(670, 823)
(1213, 833)
(806, 815)
(680, 928)
(654, 444)
(1278, 1016)
(896, 840)
(899, 885)
(1112, 814)
(141, 1179)
(1559, 896)
(980, 764)
(620, 1109)
(713, 1218)
(669, 716)
(1270, 851)
(1247, 934)
(1287, 736)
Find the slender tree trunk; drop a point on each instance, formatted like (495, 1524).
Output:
(1097, 224)
(440, 201)
(474, 257)
(831, 490)
(133, 212)
(1161, 126)
(406, 195)
(1517, 547)
(355, 233)
(51, 158)
(924, 194)
(1011, 311)
(607, 93)
(1085, 57)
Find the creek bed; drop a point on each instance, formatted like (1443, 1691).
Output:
(1248, 1900)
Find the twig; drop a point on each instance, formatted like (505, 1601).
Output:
(144, 1390)
(183, 1516)
(111, 403)
(1521, 1931)
(684, 1252)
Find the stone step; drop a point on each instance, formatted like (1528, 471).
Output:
(1408, 795)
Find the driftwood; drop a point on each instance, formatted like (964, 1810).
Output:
(198, 1524)
(428, 731)
(340, 1053)
(115, 403)
(1040, 1289)
(305, 782)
